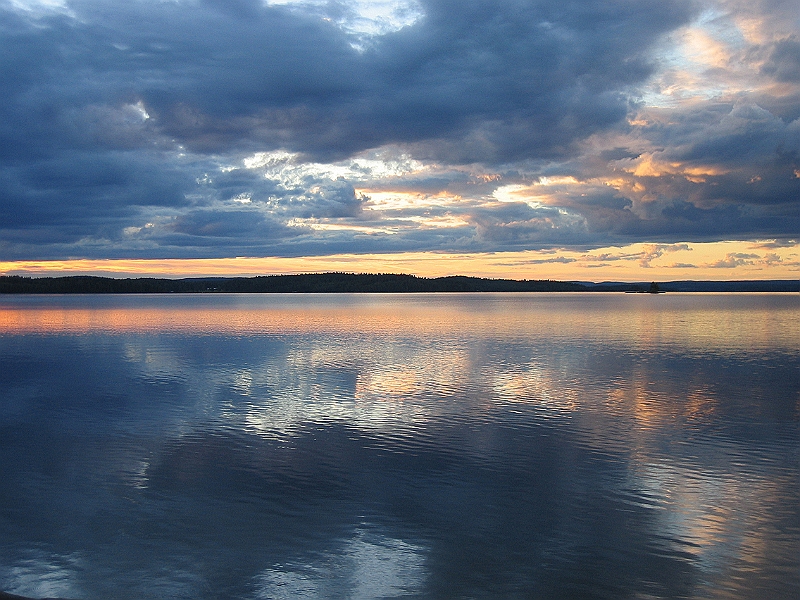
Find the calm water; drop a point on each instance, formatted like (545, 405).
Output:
(372, 446)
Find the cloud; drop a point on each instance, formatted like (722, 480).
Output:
(657, 251)
(519, 225)
(733, 260)
(477, 81)
(784, 60)
(286, 127)
(771, 244)
(556, 260)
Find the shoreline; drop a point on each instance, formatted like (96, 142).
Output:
(360, 283)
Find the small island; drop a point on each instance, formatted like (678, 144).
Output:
(653, 289)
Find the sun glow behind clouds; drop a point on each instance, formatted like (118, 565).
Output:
(39, 8)
(702, 61)
(403, 200)
(362, 18)
(287, 168)
(544, 192)
(519, 193)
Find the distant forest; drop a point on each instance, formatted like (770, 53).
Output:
(349, 282)
(308, 283)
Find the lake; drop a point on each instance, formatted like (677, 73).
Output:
(356, 446)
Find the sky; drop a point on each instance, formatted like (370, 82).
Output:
(588, 140)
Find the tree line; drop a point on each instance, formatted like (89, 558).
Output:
(304, 283)
(359, 283)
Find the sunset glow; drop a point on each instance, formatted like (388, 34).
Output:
(662, 262)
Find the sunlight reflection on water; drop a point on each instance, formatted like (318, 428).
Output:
(365, 446)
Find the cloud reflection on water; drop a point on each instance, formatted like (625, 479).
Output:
(701, 322)
(597, 446)
(367, 566)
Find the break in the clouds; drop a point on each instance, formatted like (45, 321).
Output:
(214, 128)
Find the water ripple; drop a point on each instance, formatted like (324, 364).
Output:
(543, 446)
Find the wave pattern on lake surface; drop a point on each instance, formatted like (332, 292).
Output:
(374, 446)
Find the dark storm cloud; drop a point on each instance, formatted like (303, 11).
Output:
(219, 74)
(784, 60)
(235, 225)
(472, 81)
(744, 135)
(88, 187)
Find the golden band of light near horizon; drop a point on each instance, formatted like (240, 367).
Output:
(635, 262)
